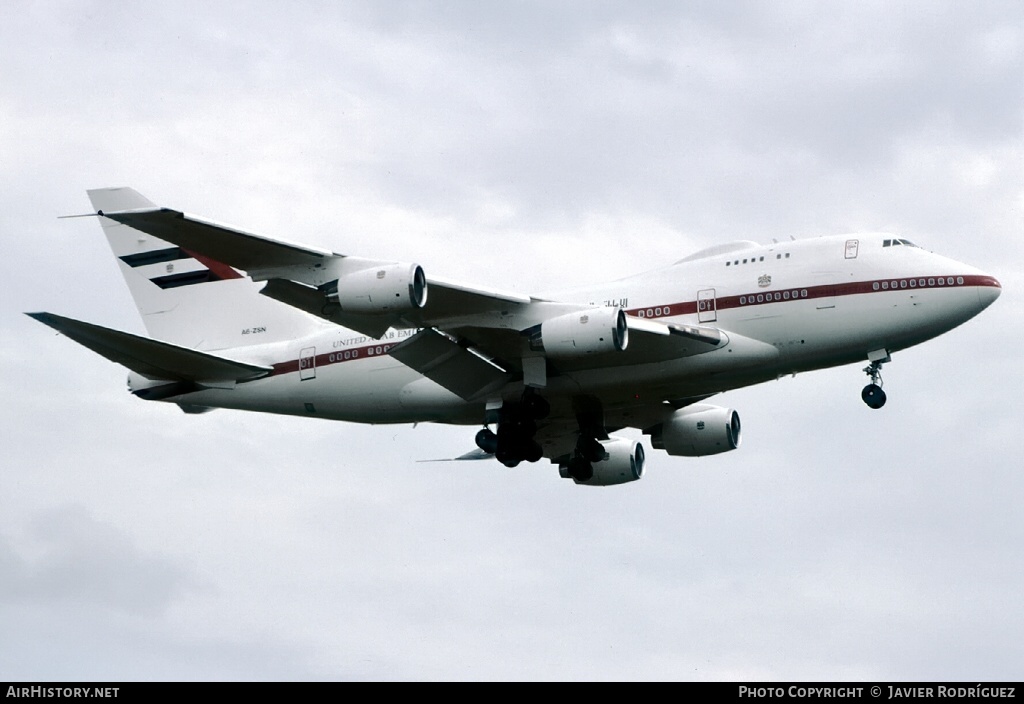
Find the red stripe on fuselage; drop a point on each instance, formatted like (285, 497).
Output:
(764, 297)
(328, 358)
(802, 293)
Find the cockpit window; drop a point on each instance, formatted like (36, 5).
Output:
(897, 243)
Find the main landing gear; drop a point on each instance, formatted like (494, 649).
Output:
(872, 393)
(588, 451)
(514, 442)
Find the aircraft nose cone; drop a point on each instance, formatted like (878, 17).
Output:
(989, 289)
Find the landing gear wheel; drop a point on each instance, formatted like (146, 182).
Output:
(517, 425)
(532, 452)
(873, 396)
(590, 449)
(487, 441)
(509, 459)
(580, 469)
(872, 393)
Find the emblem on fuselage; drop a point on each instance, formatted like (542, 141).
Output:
(764, 281)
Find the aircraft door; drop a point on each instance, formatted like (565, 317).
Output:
(707, 306)
(825, 290)
(307, 363)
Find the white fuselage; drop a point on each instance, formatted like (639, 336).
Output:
(801, 305)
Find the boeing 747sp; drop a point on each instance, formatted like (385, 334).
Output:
(253, 323)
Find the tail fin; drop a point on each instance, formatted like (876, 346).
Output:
(186, 298)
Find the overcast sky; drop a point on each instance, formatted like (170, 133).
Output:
(527, 146)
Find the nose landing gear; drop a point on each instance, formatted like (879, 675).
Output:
(872, 394)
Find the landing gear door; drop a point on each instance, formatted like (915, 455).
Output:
(307, 363)
(707, 307)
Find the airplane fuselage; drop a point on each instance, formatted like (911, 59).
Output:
(788, 307)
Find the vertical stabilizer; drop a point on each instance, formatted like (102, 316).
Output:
(186, 298)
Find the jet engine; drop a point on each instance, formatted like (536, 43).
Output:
(585, 332)
(624, 462)
(698, 430)
(380, 289)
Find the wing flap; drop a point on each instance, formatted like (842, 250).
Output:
(153, 359)
(697, 333)
(442, 360)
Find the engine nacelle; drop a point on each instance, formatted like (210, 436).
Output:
(381, 289)
(624, 462)
(698, 430)
(585, 332)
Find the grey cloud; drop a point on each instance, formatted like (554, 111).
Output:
(526, 145)
(75, 559)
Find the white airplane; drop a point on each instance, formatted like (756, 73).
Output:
(253, 323)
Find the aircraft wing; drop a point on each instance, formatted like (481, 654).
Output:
(473, 340)
(222, 243)
(448, 304)
(302, 276)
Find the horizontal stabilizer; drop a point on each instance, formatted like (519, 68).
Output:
(472, 455)
(151, 358)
